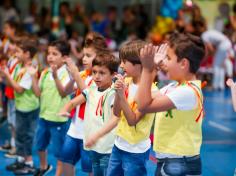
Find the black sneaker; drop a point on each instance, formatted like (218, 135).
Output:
(25, 170)
(14, 166)
(6, 147)
(41, 172)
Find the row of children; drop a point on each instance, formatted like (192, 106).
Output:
(111, 123)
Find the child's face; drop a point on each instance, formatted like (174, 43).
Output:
(89, 55)
(129, 68)
(102, 76)
(171, 65)
(54, 56)
(7, 30)
(20, 54)
(11, 49)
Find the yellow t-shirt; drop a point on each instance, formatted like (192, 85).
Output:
(141, 131)
(179, 131)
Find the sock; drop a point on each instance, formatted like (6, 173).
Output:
(13, 144)
(20, 159)
(29, 163)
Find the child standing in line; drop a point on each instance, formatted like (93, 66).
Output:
(9, 34)
(99, 121)
(12, 66)
(27, 109)
(9, 31)
(51, 90)
(131, 150)
(73, 150)
(178, 130)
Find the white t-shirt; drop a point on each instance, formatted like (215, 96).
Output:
(215, 38)
(10, 64)
(140, 147)
(184, 98)
(26, 81)
(76, 129)
(61, 75)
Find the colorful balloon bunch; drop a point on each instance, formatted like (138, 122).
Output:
(162, 26)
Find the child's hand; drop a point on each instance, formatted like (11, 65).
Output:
(64, 114)
(72, 68)
(119, 85)
(230, 83)
(54, 71)
(91, 141)
(160, 55)
(32, 70)
(147, 54)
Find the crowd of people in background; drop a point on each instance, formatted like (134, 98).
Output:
(134, 22)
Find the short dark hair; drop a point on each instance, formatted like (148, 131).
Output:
(13, 24)
(29, 46)
(108, 60)
(188, 46)
(18, 39)
(64, 3)
(61, 46)
(130, 51)
(96, 41)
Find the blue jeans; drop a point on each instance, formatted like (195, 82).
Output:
(11, 112)
(127, 164)
(25, 129)
(50, 131)
(179, 166)
(73, 150)
(99, 163)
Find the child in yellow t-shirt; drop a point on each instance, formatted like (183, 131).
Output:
(131, 150)
(178, 130)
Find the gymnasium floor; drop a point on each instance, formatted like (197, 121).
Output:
(219, 139)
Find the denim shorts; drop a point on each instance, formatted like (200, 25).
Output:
(99, 163)
(26, 123)
(126, 163)
(73, 150)
(179, 166)
(47, 132)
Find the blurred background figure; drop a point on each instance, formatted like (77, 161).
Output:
(8, 12)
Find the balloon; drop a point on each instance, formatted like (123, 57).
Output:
(162, 26)
(170, 8)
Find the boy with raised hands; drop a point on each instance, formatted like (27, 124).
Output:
(51, 88)
(178, 131)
